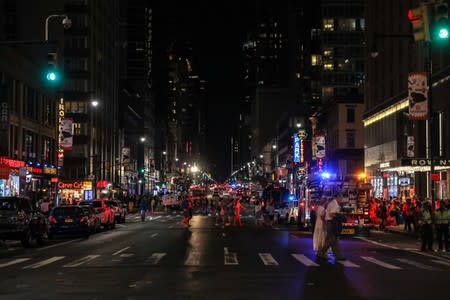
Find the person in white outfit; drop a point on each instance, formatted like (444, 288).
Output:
(320, 228)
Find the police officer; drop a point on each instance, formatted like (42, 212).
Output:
(442, 221)
(426, 228)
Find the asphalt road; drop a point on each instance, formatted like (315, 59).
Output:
(158, 259)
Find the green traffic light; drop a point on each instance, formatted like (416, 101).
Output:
(51, 76)
(443, 33)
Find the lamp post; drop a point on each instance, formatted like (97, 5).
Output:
(67, 23)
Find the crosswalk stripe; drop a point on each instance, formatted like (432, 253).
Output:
(193, 259)
(304, 260)
(380, 263)
(153, 235)
(348, 264)
(14, 262)
(268, 259)
(44, 262)
(81, 261)
(417, 264)
(155, 258)
(442, 262)
(229, 258)
(120, 251)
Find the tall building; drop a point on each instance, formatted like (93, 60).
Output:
(341, 62)
(137, 101)
(91, 70)
(28, 125)
(392, 139)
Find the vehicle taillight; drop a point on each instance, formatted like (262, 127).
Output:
(53, 220)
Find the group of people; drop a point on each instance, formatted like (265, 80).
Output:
(264, 213)
(228, 213)
(417, 216)
(327, 228)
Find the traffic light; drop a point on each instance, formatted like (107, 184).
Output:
(142, 170)
(419, 18)
(440, 18)
(51, 74)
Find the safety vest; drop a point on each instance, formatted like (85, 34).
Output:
(425, 217)
(442, 216)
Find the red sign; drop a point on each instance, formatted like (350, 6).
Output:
(35, 170)
(12, 162)
(435, 176)
(54, 179)
(4, 172)
(102, 184)
(77, 185)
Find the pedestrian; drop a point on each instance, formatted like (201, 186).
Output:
(153, 204)
(258, 213)
(442, 222)
(270, 213)
(408, 214)
(382, 210)
(185, 207)
(333, 226)
(319, 226)
(426, 229)
(239, 206)
(230, 213)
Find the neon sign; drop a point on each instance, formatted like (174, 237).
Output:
(297, 150)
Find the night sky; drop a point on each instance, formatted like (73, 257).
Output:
(217, 33)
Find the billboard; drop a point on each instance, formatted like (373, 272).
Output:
(66, 134)
(418, 96)
(320, 146)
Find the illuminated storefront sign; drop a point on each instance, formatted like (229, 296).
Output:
(50, 171)
(296, 149)
(34, 170)
(76, 185)
(61, 114)
(12, 162)
(302, 151)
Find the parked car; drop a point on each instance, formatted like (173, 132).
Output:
(69, 219)
(20, 220)
(105, 213)
(120, 212)
(93, 218)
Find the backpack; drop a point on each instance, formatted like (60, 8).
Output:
(184, 204)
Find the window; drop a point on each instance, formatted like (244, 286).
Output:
(350, 137)
(350, 115)
(328, 66)
(77, 129)
(346, 24)
(328, 24)
(328, 52)
(316, 60)
(327, 91)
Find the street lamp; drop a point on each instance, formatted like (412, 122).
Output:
(261, 156)
(143, 139)
(67, 23)
(299, 125)
(94, 103)
(274, 146)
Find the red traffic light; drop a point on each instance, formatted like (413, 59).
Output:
(412, 17)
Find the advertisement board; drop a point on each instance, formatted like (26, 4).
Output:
(418, 96)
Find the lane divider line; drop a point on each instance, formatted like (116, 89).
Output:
(417, 264)
(304, 260)
(44, 262)
(120, 251)
(155, 258)
(380, 263)
(81, 261)
(15, 261)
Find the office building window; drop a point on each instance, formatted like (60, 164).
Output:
(328, 24)
(316, 60)
(350, 138)
(346, 24)
(350, 115)
(328, 66)
(328, 53)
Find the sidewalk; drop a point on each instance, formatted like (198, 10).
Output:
(399, 229)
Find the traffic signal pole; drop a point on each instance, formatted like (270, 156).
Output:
(430, 128)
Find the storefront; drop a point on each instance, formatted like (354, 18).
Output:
(71, 192)
(10, 171)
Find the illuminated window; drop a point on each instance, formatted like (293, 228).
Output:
(328, 24)
(327, 91)
(298, 75)
(76, 129)
(328, 52)
(346, 24)
(329, 66)
(316, 60)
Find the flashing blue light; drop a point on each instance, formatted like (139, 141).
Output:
(326, 175)
(30, 162)
(291, 197)
(38, 164)
(233, 186)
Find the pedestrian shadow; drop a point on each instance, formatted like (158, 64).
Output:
(328, 281)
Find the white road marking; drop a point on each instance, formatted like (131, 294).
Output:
(442, 262)
(380, 263)
(155, 258)
(13, 262)
(348, 264)
(153, 235)
(126, 255)
(377, 243)
(44, 262)
(417, 264)
(304, 260)
(230, 258)
(170, 226)
(268, 259)
(57, 245)
(120, 251)
(193, 258)
(81, 261)
(121, 225)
